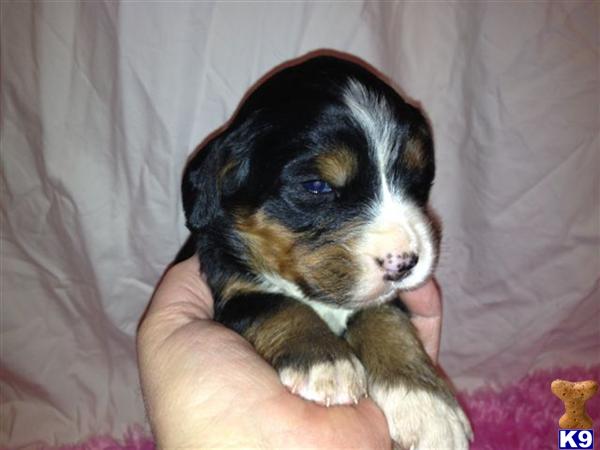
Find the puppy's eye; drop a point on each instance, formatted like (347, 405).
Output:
(317, 187)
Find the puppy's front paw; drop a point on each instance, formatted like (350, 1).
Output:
(423, 420)
(339, 382)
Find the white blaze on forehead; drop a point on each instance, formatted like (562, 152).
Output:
(374, 115)
(391, 209)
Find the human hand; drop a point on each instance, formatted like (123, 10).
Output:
(204, 385)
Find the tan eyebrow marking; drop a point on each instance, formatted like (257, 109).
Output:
(337, 166)
(413, 156)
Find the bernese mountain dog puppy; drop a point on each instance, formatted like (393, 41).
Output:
(309, 214)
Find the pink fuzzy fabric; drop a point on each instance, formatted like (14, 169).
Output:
(520, 416)
(525, 415)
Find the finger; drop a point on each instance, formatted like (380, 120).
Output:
(424, 301)
(429, 332)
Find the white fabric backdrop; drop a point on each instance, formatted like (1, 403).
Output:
(103, 102)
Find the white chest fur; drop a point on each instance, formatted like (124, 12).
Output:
(334, 316)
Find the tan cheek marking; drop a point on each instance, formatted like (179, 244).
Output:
(413, 157)
(332, 267)
(271, 245)
(337, 167)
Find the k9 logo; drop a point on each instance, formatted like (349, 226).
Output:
(575, 439)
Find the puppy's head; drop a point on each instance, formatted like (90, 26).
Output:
(318, 187)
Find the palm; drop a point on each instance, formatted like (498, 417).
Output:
(205, 386)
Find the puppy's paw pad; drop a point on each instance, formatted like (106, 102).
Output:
(422, 420)
(340, 382)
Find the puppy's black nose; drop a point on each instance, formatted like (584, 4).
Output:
(397, 266)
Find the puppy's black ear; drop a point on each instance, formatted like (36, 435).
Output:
(199, 190)
(218, 170)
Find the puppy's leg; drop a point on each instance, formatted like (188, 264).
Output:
(420, 408)
(311, 360)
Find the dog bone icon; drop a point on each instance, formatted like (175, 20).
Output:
(574, 395)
